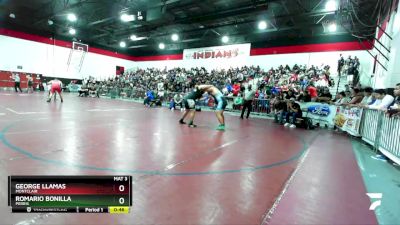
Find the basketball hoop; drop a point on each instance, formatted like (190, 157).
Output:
(77, 55)
(80, 47)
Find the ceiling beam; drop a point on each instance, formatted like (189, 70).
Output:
(255, 36)
(71, 6)
(242, 10)
(301, 5)
(233, 23)
(316, 6)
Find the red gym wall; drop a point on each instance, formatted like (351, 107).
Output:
(6, 81)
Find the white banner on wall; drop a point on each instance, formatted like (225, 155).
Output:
(319, 112)
(349, 120)
(218, 52)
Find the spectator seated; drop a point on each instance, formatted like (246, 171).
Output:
(176, 101)
(289, 114)
(149, 99)
(83, 91)
(302, 82)
(238, 102)
(93, 90)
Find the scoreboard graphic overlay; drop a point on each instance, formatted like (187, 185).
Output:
(70, 194)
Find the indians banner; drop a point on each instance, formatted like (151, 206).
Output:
(217, 52)
(319, 112)
(349, 119)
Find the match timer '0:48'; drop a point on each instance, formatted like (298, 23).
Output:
(118, 210)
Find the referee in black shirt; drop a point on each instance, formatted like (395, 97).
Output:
(248, 101)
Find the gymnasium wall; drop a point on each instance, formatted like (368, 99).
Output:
(6, 81)
(50, 59)
(390, 77)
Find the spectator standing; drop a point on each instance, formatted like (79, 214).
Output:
(356, 96)
(395, 108)
(383, 101)
(356, 67)
(313, 92)
(348, 95)
(349, 60)
(368, 98)
(342, 99)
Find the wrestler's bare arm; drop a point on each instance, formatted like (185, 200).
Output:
(205, 87)
(214, 91)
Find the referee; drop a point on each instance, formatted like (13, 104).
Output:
(17, 82)
(248, 101)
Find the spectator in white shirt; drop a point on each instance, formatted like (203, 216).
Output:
(397, 95)
(368, 97)
(383, 101)
(395, 108)
(178, 98)
(240, 77)
(342, 98)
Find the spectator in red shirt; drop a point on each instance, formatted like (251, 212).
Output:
(236, 89)
(294, 77)
(313, 92)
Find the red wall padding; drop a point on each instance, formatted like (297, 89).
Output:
(7, 81)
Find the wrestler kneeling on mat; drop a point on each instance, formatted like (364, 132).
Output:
(190, 105)
(219, 101)
(55, 87)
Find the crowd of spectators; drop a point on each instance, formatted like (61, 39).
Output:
(230, 81)
(387, 100)
(281, 88)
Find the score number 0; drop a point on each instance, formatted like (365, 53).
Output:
(121, 188)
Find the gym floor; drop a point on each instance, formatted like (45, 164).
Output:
(256, 172)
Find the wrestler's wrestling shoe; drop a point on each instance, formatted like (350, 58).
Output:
(192, 125)
(221, 127)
